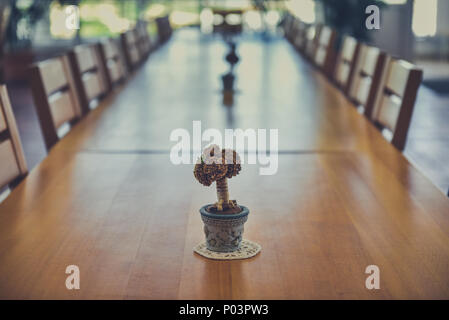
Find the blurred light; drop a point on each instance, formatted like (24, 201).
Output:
(24, 4)
(155, 10)
(253, 20)
(107, 14)
(395, 1)
(230, 4)
(22, 29)
(218, 19)
(207, 20)
(58, 18)
(182, 18)
(233, 19)
(424, 21)
(272, 18)
(303, 9)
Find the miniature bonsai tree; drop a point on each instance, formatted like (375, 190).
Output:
(219, 165)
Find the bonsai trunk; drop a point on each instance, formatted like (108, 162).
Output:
(222, 192)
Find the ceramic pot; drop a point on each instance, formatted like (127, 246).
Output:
(223, 231)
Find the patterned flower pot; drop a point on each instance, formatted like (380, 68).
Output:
(223, 231)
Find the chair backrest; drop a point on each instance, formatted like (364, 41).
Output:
(300, 38)
(113, 61)
(88, 74)
(324, 51)
(347, 59)
(130, 47)
(12, 160)
(294, 28)
(395, 105)
(164, 28)
(312, 36)
(368, 73)
(143, 38)
(55, 96)
(286, 24)
(153, 35)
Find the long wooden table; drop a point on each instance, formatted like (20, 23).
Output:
(108, 199)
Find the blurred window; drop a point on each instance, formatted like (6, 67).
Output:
(424, 23)
(303, 9)
(58, 28)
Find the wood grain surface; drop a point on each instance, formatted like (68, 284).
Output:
(108, 199)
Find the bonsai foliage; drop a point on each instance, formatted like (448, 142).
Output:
(218, 165)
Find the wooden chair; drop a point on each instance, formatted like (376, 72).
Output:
(324, 52)
(395, 105)
(346, 62)
(113, 62)
(153, 33)
(300, 38)
(55, 96)
(12, 160)
(164, 28)
(369, 70)
(285, 24)
(294, 28)
(143, 39)
(312, 36)
(130, 49)
(88, 74)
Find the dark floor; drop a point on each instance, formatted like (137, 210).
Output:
(427, 146)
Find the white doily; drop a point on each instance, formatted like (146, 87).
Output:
(247, 250)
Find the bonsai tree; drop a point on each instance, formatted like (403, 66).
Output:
(218, 165)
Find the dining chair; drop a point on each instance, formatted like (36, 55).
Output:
(300, 39)
(112, 60)
(130, 49)
(324, 52)
(153, 34)
(88, 74)
(394, 108)
(289, 26)
(164, 28)
(369, 71)
(13, 166)
(346, 62)
(296, 29)
(143, 39)
(286, 25)
(55, 97)
(312, 36)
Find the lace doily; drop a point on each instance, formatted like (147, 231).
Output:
(247, 250)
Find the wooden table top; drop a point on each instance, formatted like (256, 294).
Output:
(108, 200)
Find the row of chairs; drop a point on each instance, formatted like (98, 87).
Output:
(382, 87)
(66, 87)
